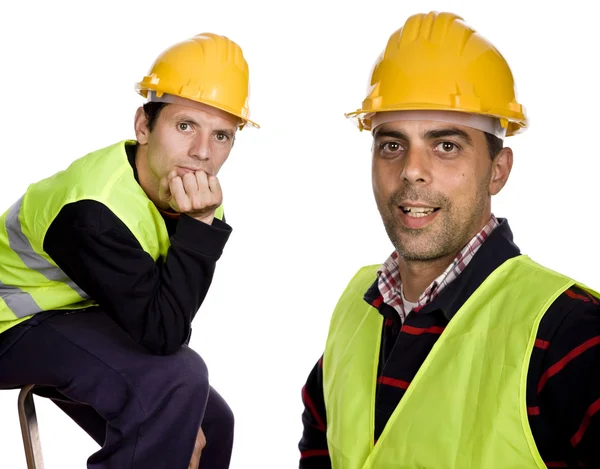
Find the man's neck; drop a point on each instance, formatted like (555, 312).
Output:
(147, 180)
(417, 275)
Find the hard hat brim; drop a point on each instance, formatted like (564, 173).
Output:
(516, 122)
(143, 91)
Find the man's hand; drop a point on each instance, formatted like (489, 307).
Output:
(196, 194)
(198, 447)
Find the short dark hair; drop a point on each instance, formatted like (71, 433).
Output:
(152, 110)
(494, 144)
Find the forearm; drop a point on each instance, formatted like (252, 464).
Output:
(153, 301)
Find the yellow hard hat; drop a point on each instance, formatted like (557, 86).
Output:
(436, 62)
(208, 69)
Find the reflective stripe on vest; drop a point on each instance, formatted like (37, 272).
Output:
(466, 406)
(20, 303)
(19, 243)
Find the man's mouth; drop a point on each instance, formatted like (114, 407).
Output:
(419, 212)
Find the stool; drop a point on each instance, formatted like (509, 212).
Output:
(29, 428)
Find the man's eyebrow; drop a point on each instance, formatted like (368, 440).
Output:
(448, 132)
(397, 134)
(182, 116)
(428, 135)
(229, 132)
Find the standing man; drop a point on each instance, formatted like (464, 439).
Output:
(105, 264)
(458, 352)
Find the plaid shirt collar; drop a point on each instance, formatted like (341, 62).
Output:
(389, 283)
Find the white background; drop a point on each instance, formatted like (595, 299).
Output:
(297, 191)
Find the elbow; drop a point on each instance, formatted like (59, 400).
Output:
(170, 348)
(165, 337)
(167, 346)
(162, 350)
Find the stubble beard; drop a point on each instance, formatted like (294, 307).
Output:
(445, 237)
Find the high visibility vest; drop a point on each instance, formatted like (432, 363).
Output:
(466, 407)
(30, 281)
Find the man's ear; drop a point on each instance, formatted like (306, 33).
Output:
(141, 126)
(501, 167)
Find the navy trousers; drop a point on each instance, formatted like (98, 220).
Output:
(144, 410)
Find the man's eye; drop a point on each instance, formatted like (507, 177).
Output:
(390, 146)
(222, 137)
(446, 147)
(183, 126)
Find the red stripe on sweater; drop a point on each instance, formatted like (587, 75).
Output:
(544, 344)
(577, 296)
(589, 413)
(314, 452)
(559, 365)
(313, 410)
(377, 302)
(422, 330)
(594, 300)
(397, 383)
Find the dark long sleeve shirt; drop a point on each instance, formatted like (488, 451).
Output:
(154, 302)
(563, 384)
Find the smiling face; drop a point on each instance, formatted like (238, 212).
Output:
(433, 183)
(184, 139)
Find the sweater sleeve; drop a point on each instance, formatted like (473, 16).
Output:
(154, 302)
(314, 453)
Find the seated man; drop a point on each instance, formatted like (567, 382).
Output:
(105, 264)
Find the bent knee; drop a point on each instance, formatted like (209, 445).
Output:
(185, 371)
(226, 416)
(217, 410)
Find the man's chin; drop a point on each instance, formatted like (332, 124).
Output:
(418, 247)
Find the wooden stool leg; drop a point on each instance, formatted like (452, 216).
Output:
(29, 429)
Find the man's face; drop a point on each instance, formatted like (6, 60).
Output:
(432, 183)
(187, 139)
